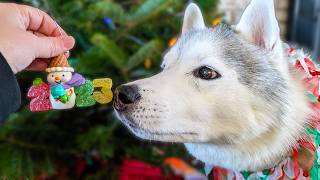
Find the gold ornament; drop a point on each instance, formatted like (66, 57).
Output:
(147, 63)
(172, 41)
(216, 21)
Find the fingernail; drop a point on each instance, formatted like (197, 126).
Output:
(68, 42)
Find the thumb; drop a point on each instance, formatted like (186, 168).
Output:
(48, 47)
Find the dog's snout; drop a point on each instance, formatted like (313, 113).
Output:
(126, 95)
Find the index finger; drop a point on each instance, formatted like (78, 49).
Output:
(39, 21)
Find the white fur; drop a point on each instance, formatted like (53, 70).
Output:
(262, 152)
(193, 19)
(259, 24)
(221, 121)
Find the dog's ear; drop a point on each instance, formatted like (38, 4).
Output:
(193, 19)
(259, 25)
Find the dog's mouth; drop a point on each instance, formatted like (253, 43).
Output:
(144, 119)
(139, 130)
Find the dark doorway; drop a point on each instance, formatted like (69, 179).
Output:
(306, 25)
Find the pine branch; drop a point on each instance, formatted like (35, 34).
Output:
(147, 50)
(110, 49)
(147, 10)
(37, 147)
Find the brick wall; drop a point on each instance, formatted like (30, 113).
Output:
(233, 9)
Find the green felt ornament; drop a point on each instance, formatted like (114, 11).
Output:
(84, 92)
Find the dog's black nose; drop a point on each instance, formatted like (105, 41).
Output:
(125, 95)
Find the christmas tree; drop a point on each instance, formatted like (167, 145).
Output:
(121, 39)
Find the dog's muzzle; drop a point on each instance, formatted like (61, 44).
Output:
(125, 96)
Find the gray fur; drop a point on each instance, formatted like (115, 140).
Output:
(251, 62)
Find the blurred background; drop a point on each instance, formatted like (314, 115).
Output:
(123, 40)
(299, 21)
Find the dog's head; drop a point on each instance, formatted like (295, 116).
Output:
(220, 85)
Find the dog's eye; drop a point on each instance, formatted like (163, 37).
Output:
(206, 73)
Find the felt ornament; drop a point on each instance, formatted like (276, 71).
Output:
(65, 89)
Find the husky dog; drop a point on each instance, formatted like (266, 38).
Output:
(228, 93)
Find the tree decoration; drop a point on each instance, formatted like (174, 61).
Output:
(172, 41)
(216, 21)
(109, 23)
(181, 168)
(136, 170)
(147, 63)
(66, 89)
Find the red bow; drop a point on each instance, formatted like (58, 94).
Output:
(312, 81)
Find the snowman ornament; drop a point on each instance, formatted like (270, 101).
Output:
(65, 89)
(62, 81)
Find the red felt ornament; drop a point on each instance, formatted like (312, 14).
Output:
(138, 170)
(39, 94)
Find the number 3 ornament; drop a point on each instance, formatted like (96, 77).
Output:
(66, 89)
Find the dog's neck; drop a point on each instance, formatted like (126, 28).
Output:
(269, 148)
(257, 154)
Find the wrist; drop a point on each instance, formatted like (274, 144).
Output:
(9, 92)
(7, 58)
(4, 57)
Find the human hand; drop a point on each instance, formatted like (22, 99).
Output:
(29, 37)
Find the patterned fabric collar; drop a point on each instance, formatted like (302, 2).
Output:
(304, 162)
